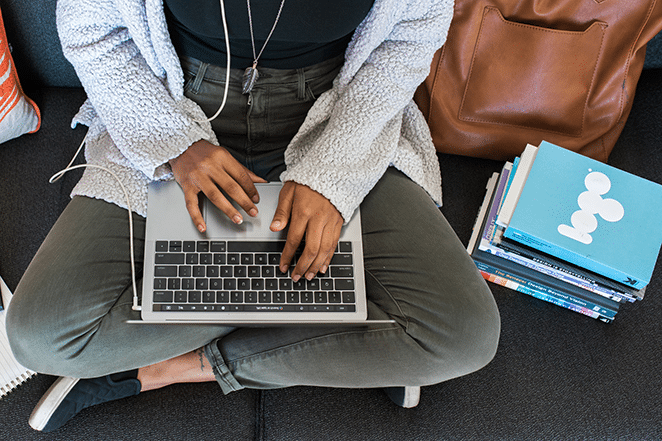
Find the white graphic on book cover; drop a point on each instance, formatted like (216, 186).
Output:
(591, 203)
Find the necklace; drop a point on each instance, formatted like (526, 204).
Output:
(251, 74)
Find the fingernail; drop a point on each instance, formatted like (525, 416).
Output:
(275, 225)
(237, 219)
(310, 276)
(252, 212)
(283, 268)
(323, 269)
(201, 228)
(256, 199)
(296, 277)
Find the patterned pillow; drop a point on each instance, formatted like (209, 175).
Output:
(18, 113)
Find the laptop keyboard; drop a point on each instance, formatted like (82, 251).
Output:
(244, 276)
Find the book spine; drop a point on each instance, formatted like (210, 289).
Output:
(557, 273)
(589, 277)
(572, 257)
(501, 278)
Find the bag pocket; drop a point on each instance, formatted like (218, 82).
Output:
(529, 76)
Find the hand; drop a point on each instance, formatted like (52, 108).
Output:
(208, 168)
(309, 213)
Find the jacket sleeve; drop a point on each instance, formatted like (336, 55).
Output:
(132, 101)
(354, 130)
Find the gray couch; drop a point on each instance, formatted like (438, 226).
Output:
(557, 374)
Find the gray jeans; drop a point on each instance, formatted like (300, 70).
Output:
(68, 313)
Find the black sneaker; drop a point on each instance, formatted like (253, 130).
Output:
(406, 397)
(68, 396)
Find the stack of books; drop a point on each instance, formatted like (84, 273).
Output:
(569, 230)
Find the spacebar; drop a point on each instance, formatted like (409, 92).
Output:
(256, 247)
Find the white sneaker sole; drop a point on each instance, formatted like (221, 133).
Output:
(51, 400)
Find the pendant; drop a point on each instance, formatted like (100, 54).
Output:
(250, 77)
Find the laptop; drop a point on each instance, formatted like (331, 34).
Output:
(230, 274)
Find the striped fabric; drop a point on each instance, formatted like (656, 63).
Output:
(18, 113)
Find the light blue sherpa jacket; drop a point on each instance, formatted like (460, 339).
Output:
(139, 119)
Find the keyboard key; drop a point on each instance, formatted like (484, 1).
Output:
(271, 284)
(169, 258)
(326, 284)
(348, 297)
(341, 259)
(246, 259)
(191, 259)
(163, 296)
(189, 246)
(265, 297)
(345, 308)
(342, 271)
(174, 284)
(219, 259)
(344, 284)
(229, 284)
(250, 297)
(279, 296)
(320, 296)
(202, 246)
(201, 284)
(236, 297)
(161, 246)
(244, 284)
(175, 246)
(257, 284)
(292, 297)
(208, 296)
(256, 247)
(188, 284)
(240, 271)
(165, 271)
(199, 271)
(307, 297)
(160, 283)
(345, 247)
(194, 297)
(185, 271)
(215, 284)
(181, 296)
(226, 271)
(254, 271)
(206, 259)
(217, 246)
(233, 259)
(222, 297)
(212, 271)
(335, 297)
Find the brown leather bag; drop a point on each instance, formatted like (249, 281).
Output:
(514, 72)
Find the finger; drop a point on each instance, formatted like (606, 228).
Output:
(245, 180)
(217, 198)
(192, 201)
(284, 208)
(236, 193)
(294, 236)
(332, 244)
(319, 249)
(256, 178)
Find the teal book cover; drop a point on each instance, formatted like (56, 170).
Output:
(590, 214)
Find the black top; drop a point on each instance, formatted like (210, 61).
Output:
(308, 31)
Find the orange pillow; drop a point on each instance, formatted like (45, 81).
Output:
(18, 113)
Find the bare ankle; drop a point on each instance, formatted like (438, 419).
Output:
(192, 367)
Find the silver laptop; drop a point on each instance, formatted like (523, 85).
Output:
(230, 273)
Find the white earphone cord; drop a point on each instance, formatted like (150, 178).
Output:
(69, 167)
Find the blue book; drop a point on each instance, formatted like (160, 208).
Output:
(590, 214)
